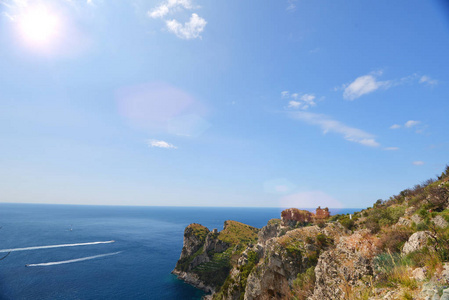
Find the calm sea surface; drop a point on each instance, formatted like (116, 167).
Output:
(137, 265)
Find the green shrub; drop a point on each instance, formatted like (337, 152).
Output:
(304, 284)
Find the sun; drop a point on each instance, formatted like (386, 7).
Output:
(39, 26)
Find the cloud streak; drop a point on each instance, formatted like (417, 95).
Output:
(369, 83)
(160, 144)
(328, 124)
(427, 80)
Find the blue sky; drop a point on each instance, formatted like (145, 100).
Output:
(221, 103)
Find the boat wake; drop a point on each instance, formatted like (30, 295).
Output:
(71, 260)
(54, 246)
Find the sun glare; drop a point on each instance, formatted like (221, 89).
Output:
(39, 26)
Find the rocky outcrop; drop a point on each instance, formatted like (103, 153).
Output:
(322, 213)
(199, 246)
(417, 241)
(403, 222)
(273, 229)
(440, 221)
(416, 219)
(345, 266)
(293, 217)
(194, 280)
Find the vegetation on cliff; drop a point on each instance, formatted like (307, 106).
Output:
(398, 249)
(235, 233)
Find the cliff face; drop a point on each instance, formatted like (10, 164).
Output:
(398, 249)
(207, 256)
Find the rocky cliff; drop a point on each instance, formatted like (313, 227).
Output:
(397, 249)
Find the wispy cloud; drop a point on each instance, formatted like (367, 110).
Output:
(190, 30)
(369, 83)
(291, 5)
(411, 123)
(427, 80)
(160, 144)
(417, 125)
(327, 124)
(418, 163)
(298, 101)
(391, 148)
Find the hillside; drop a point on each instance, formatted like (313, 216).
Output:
(397, 249)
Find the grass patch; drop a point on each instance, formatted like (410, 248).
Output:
(238, 233)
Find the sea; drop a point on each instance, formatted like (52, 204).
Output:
(104, 252)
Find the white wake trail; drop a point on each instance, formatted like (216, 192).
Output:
(54, 246)
(71, 260)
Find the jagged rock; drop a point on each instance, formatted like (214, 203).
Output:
(429, 291)
(445, 272)
(322, 214)
(345, 265)
(440, 221)
(445, 295)
(419, 274)
(416, 219)
(194, 237)
(284, 257)
(410, 211)
(417, 241)
(403, 222)
(273, 229)
(292, 217)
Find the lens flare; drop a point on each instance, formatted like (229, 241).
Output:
(39, 26)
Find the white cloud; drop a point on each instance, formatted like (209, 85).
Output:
(329, 125)
(427, 80)
(391, 148)
(418, 163)
(294, 104)
(411, 123)
(189, 30)
(395, 126)
(168, 6)
(364, 85)
(300, 101)
(160, 144)
(285, 94)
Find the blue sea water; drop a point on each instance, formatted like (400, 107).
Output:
(147, 244)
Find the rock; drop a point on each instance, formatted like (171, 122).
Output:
(419, 274)
(345, 265)
(293, 217)
(445, 295)
(445, 272)
(440, 221)
(416, 219)
(193, 279)
(403, 222)
(273, 229)
(410, 211)
(284, 257)
(417, 241)
(429, 291)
